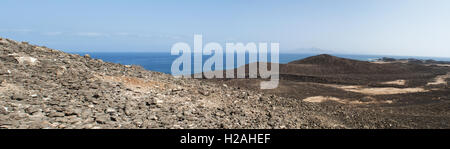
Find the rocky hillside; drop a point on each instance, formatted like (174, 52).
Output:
(45, 88)
(398, 94)
(335, 65)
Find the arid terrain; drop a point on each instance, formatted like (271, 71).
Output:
(46, 88)
(404, 93)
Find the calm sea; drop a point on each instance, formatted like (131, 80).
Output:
(162, 62)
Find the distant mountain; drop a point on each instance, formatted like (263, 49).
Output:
(325, 59)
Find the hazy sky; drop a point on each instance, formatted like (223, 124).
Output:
(396, 27)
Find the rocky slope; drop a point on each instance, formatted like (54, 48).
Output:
(45, 88)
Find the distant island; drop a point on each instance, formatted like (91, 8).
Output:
(413, 60)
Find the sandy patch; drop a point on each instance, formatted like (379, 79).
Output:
(378, 90)
(440, 80)
(396, 82)
(320, 99)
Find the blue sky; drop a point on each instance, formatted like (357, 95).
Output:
(393, 27)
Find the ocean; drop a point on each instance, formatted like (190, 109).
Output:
(162, 62)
